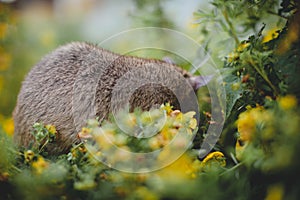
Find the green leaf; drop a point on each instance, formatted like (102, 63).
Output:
(234, 91)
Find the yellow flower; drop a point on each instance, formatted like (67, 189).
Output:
(190, 117)
(214, 157)
(4, 176)
(233, 56)
(28, 156)
(240, 146)
(247, 121)
(168, 133)
(130, 120)
(247, 127)
(154, 143)
(270, 35)
(287, 102)
(3, 30)
(178, 120)
(40, 165)
(85, 133)
(183, 168)
(168, 108)
(5, 61)
(146, 117)
(1, 82)
(120, 139)
(164, 154)
(242, 46)
(145, 194)
(8, 126)
(105, 138)
(275, 192)
(51, 129)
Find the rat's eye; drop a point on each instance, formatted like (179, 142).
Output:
(186, 75)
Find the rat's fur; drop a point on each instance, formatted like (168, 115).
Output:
(59, 91)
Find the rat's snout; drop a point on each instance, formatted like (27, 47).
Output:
(199, 81)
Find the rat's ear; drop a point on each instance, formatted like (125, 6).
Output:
(199, 81)
(168, 60)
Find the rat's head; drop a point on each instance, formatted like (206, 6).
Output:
(195, 81)
(157, 83)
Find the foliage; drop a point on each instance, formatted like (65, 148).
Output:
(150, 13)
(267, 152)
(237, 18)
(80, 172)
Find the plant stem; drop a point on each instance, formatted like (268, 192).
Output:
(17, 169)
(232, 168)
(263, 75)
(40, 150)
(231, 30)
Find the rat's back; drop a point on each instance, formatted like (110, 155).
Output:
(46, 93)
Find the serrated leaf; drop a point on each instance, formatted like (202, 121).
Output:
(234, 91)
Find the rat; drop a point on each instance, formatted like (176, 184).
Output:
(79, 81)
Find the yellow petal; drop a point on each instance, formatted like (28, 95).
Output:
(217, 157)
(193, 123)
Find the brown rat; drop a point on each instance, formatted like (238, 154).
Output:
(76, 82)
